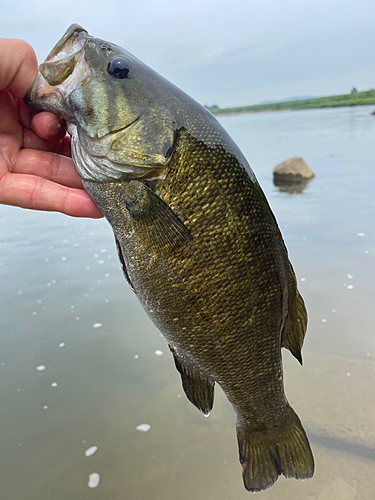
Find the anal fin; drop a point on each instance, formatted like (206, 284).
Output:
(295, 330)
(198, 388)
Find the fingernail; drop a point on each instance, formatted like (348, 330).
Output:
(54, 128)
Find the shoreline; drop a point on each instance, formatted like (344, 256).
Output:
(365, 98)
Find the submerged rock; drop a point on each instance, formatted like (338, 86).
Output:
(294, 169)
(291, 187)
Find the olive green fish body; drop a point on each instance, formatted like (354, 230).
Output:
(198, 244)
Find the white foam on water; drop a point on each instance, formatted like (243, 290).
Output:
(158, 352)
(100, 261)
(45, 407)
(348, 374)
(87, 267)
(361, 234)
(303, 279)
(94, 479)
(77, 318)
(103, 250)
(63, 258)
(333, 310)
(136, 356)
(54, 384)
(62, 344)
(33, 313)
(97, 325)
(40, 368)
(350, 287)
(178, 395)
(143, 427)
(90, 451)
(350, 276)
(324, 320)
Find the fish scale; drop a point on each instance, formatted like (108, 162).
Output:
(197, 240)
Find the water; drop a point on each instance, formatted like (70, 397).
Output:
(90, 409)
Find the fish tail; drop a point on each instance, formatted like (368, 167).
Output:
(264, 455)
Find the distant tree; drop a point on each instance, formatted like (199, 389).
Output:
(354, 90)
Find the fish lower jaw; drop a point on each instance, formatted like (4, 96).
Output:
(99, 168)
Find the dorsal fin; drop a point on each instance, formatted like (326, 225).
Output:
(295, 329)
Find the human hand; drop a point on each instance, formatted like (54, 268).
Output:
(35, 167)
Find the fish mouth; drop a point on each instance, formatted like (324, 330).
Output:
(62, 71)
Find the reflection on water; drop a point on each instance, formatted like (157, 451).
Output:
(91, 406)
(297, 187)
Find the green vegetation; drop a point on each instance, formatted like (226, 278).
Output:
(356, 99)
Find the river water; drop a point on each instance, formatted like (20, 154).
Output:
(82, 366)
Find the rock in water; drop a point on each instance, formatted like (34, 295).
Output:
(294, 169)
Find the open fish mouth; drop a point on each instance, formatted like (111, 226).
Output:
(64, 69)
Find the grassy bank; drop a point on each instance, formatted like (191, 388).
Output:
(360, 98)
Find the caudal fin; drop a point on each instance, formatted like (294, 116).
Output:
(264, 455)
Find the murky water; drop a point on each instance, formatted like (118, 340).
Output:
(91, 406)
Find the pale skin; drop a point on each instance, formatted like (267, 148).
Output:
(36, 170)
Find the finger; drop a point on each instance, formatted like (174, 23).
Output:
(28, 191)
(48, 126)
(32, 141)
(51, 166)
(18, 66)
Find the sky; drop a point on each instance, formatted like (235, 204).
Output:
(223, 52)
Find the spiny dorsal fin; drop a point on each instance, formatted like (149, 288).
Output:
(154, 217)
(295, 330)
(198, 388)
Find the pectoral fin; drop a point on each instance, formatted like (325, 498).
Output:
(295, 330)
(198, 388)
(153, 216)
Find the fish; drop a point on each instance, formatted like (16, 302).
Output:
(196, 238)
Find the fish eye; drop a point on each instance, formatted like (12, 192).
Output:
(118, 67)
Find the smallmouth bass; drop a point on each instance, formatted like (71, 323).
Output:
(196, 239)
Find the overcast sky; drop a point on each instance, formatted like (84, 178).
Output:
(228, 52)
